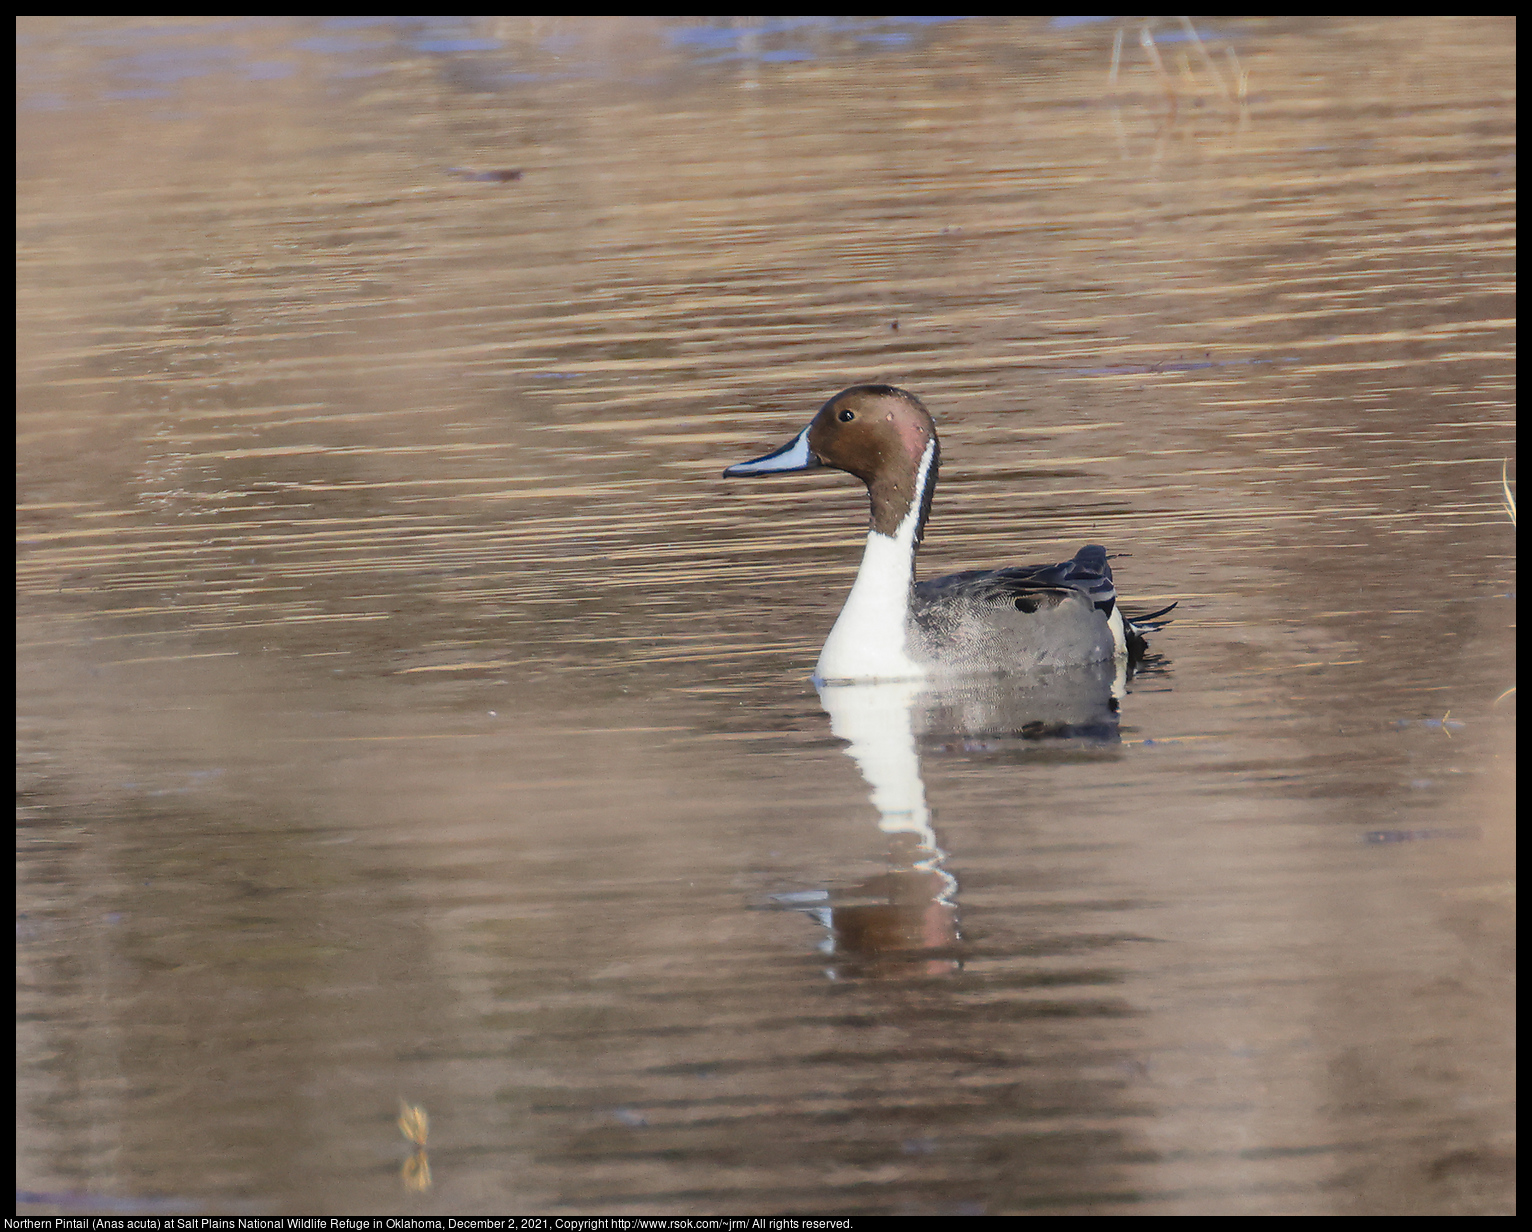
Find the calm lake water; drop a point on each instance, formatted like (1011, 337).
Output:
(410, 711)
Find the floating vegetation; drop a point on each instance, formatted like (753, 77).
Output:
(1445, 723)
(414, 1124)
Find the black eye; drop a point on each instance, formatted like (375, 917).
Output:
(846, 416)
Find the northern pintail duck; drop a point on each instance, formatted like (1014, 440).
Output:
(1015, 619)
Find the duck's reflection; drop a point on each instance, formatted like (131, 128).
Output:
(904, 921)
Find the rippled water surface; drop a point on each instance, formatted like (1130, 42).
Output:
(409, 711)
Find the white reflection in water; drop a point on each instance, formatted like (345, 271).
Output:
(906, 918)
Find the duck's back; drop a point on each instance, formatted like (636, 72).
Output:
(1016, 619)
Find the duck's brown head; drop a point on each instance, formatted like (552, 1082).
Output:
(880, 434)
